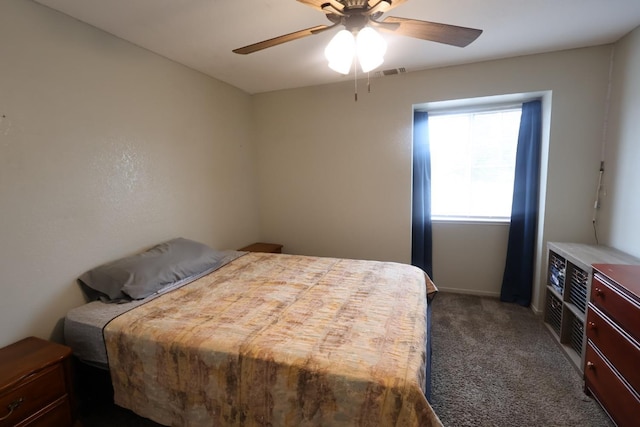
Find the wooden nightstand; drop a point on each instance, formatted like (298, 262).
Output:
(35, 384)
(272, 248)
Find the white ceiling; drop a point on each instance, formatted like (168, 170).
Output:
(202, 33)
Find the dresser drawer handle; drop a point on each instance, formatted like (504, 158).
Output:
(599, 292)
(592, 325)
(591, 365)
(12, 407)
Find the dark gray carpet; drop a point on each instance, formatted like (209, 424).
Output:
(495, 364)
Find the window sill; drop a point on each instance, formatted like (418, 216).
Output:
(470, 220)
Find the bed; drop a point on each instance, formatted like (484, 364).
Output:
(270, 340)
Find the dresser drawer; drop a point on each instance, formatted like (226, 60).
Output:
(615, 396)
(32, 394)
(611, 301)
(621, 351)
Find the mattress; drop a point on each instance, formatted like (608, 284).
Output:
(272, 340)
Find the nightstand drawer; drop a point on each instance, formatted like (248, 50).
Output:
(55, 415)
(33, 393)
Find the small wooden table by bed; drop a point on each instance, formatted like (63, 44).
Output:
(272, 248)
(35, 384)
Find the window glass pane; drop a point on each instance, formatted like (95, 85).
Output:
(473, 163)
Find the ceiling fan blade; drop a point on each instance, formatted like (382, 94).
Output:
(279, 40)
(317, 4)
(433, 31)
(387, 26)
(383, 5)
(378, 8)
(323, 28)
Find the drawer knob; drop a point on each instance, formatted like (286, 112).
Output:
(591, 365)
(599, 292)
(592, 325)
(12, 407)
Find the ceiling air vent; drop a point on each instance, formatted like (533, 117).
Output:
(391, 72)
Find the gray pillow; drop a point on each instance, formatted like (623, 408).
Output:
(141, 275)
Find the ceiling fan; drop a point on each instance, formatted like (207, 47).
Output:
(355, 15)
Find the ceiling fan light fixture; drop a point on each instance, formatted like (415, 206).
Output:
(371, 48)
(368, 46)
(340, 50)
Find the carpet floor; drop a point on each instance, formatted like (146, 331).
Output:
(495, 364)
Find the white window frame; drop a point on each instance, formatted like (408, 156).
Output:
(466, 107)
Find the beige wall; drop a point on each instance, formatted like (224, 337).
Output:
(469, 257)
(106, 149)
(335, 175)
(620, 215)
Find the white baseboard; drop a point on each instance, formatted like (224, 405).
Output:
(537, 311)
(469, 292)
(476, 292)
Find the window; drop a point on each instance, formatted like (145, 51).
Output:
(473, 158)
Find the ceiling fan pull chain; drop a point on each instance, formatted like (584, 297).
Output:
(368, 82)
(355, 80)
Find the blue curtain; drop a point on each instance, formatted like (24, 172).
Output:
(421, 232)
(518, 272)
(421, 235)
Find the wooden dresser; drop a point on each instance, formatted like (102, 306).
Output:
(35, 384)
(612, 359)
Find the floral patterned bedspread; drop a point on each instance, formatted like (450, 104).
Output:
(279, 340)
